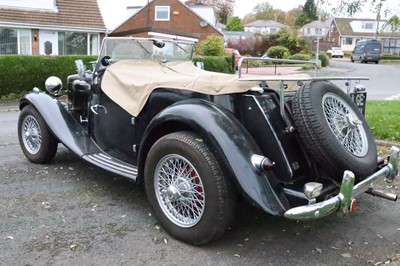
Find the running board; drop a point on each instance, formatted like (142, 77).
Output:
(112, 165)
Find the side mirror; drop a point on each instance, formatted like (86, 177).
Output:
(81, 69)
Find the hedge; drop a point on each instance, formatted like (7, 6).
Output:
(390, 57)
(223, 64)
(21, 73)
(304, 57)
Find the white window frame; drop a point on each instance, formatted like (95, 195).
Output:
(19, 41)
(364, 25)
(156, 18)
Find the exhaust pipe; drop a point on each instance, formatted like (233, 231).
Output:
(382, 194)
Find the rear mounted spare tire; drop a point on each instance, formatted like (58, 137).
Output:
(333, 130)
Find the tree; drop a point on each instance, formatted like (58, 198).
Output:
(351, 7)
(308, 15)
(265, 11)
(234, 24)
(310, 10)
(393, 23)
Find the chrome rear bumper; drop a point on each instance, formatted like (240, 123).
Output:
(348, 192)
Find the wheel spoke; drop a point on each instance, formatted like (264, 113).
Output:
(342, 120)
(179, 190)
(31, 134)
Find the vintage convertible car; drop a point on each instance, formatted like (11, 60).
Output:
(199, 139)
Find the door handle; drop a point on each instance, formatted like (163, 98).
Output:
(95, 108)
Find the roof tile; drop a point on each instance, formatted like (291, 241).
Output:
(72, 13)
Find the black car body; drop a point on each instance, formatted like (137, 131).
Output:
(198, 139)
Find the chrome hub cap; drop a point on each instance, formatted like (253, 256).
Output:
(31, 134)
(345, 124)
(179, 190)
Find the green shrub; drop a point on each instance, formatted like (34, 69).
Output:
(22, 72)
(213, 45)
(222, 64)
(323, 57)
(304, 57)
(279, 52)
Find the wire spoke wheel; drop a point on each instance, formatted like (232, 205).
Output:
(187, 188)
(345, 124)
(179, 190)
(31, 134)
(36, 140)
(333, 130)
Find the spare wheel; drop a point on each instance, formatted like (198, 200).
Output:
(333, 130)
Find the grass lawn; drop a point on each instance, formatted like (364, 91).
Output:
(384, 119)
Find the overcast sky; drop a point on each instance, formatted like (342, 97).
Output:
(114, 11)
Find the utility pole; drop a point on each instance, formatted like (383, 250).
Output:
(378, 17)
(318, 36)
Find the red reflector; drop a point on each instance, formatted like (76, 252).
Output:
(353, 205)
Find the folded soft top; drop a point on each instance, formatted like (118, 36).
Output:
(129, 83)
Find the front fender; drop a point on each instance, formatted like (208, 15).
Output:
(60, 122)
(230, 141)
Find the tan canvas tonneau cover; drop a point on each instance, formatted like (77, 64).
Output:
(129, 83)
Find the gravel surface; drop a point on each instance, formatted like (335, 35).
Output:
(72, 213)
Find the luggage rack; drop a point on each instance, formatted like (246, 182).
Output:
(358, 94)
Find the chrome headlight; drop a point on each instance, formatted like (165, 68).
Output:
(53, 86)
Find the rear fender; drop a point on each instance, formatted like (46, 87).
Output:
(229, 140)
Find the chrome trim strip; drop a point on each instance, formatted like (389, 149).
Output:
(110, 161)
(114, 165)
(348, 192)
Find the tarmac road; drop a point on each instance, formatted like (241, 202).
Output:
(72, 213)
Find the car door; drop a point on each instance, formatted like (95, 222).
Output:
(358, 52)
(113, 129)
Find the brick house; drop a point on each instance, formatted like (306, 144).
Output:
(51, 27)
(346, 32)
(171, 18)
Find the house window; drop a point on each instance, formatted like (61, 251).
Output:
(162, 13)
(93, 44)
(368, 26)
(78, 43)
(273, 30)
(15, 41)
(24, 39)
(391, 46)
(347, 41)
(308, 31)
(72, 43)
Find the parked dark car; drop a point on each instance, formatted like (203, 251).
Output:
(367, 51)
(198, 140)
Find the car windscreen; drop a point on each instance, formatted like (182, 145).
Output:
(127, 48)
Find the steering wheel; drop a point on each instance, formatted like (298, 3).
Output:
(106, 60)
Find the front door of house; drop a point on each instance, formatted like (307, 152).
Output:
(48, 40)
